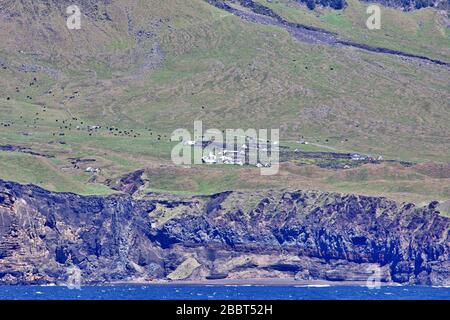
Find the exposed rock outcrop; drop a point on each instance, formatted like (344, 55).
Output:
(408, 5)
(278, 234)
(128, 183)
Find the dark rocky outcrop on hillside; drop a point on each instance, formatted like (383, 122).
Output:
(128, 183)
(14, 148)
(335, 4)
(277, 234)
(405, 5)
(408, 5)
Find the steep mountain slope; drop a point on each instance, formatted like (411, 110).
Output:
(140, 69)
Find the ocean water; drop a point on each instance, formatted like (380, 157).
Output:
(221, 292)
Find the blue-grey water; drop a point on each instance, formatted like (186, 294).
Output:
(216, 292)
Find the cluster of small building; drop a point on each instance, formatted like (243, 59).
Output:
(230, 157)
(361, 157)
(358, 157)
(225, 157)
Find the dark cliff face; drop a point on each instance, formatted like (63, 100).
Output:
(307, 235)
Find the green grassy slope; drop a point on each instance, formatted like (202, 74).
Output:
(201, 63)
(422, 32)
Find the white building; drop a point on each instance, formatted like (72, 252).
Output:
(210, 159)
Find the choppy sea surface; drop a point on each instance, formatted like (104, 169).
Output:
(221, 292)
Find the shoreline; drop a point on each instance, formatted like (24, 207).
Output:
(253, 282)
(264, 282)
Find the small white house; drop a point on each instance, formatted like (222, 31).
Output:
(210, 159)
(358, 157)
(225, 158)
(190, 143)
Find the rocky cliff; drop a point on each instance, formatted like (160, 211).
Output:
(235, 235)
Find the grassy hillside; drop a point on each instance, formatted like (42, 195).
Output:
(141, 69)
(422, 32)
